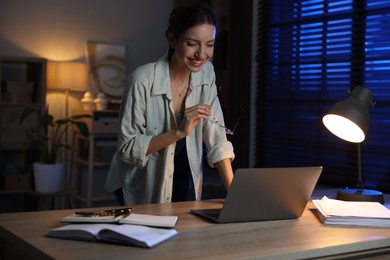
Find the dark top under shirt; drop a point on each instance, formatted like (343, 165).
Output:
(183, 185)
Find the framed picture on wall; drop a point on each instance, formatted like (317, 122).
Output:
(107, 69)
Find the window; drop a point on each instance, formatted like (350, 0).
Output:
(309, 53)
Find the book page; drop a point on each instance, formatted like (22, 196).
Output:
(136, 235)
(78, 231)
(115, 233)
(150, 220)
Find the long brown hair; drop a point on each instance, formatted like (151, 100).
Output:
(188, 15)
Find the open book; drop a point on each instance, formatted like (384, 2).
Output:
(133, 218)
(133, 235)
(352, 213)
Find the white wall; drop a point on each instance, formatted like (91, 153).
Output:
(58, 29)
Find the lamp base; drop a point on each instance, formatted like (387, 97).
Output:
(360, 195)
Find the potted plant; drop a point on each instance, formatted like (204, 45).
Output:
(49, 141)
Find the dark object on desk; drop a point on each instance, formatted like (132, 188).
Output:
(348, 194)
(104, 213)
(104, 216)
(121, 216)
(349, 120)
(265, 194)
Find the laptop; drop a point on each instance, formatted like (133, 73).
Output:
(259, 194)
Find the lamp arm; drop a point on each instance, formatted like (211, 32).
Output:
(359, 184)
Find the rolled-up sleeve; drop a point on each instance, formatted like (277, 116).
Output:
(135, 133)
(220, 152)
(214, 136)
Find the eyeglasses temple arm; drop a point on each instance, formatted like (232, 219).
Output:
(238, 121)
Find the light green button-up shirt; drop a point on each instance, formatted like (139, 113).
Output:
(147, 111)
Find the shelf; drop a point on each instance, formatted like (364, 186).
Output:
(95, 164)
(13, 146)
(92, 154)
(95, 198)
(10, 192)
(22, 85)
(8, 104)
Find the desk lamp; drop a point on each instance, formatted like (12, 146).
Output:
(349, 120)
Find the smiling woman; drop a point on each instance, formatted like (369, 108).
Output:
(165, 107)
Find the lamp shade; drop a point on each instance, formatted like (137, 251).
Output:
(349, 119)
(71, 76)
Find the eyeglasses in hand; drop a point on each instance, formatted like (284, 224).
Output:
(212, 119)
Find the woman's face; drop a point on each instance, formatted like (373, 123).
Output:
(195, 47)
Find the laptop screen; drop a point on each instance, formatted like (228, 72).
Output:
(268, 193)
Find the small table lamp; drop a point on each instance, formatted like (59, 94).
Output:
(67, 76)
(349, 120)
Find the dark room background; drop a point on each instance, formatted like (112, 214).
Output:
(308, 54)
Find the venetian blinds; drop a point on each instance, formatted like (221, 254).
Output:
(315, 50)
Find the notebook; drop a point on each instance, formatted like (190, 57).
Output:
(258, 194)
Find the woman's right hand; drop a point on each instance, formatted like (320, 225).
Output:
(192, 115)
(191, 118)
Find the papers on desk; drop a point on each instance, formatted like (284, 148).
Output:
(150, 220)
(352, 213)
(133, 235)
(133, 218)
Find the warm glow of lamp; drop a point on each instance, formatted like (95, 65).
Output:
(344, 128)
(70, 76)
(67, 76)
(349, 120)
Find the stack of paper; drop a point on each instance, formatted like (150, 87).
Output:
(352, 213)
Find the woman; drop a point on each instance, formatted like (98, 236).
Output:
(165, 118)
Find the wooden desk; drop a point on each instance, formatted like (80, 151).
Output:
(24, 234)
